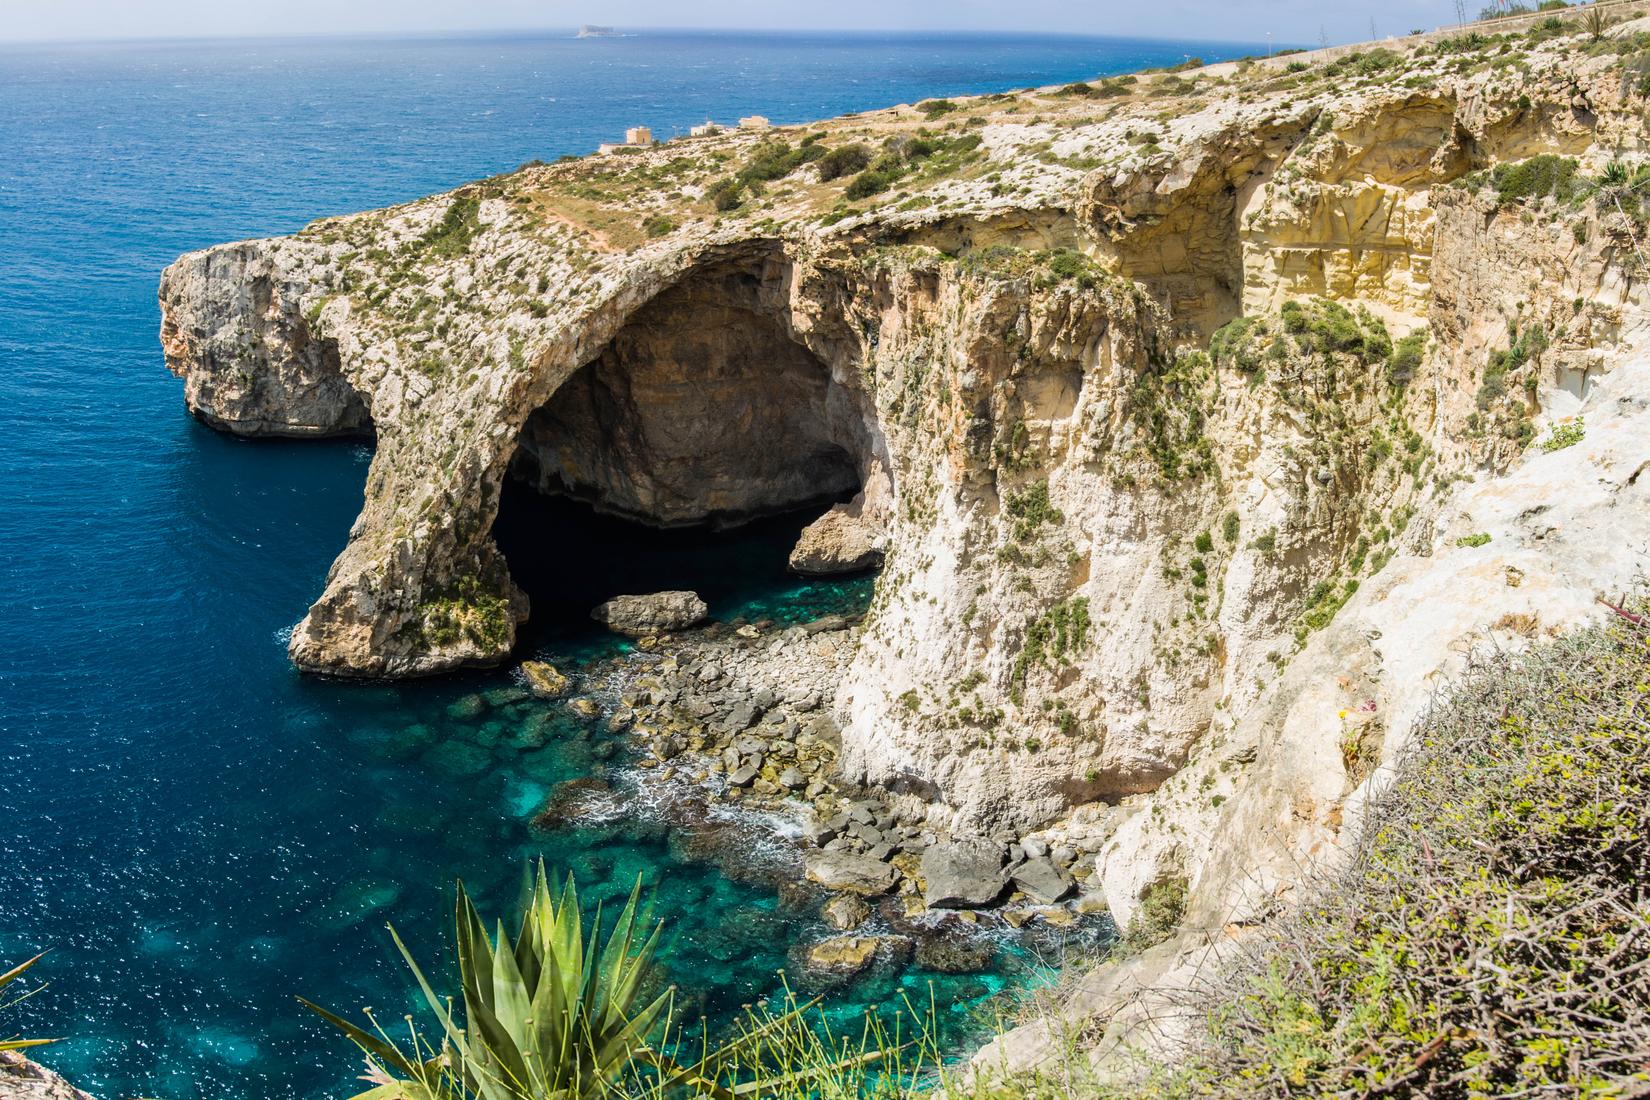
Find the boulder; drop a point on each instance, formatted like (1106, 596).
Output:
(846, 871)
(963, 874)
(846, 912)
(544, 679)
(840, 541)
(843, 957)
(1041, 881)
(645, 616)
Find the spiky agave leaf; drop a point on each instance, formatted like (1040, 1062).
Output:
(548, 1015)
(557, 1014)
(8, 978)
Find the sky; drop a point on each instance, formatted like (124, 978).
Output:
(1292, 21)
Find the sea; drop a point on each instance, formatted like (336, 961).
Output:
(194, 833)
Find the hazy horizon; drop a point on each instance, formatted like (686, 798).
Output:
(1287, 22)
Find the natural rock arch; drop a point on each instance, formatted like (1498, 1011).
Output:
(704, 407)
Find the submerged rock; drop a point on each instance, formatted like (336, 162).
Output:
(844, 957)
(954, 952)
(570, 801)
(658, 613)
(544, 679)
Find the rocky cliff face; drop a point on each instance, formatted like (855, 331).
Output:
(1162, 399)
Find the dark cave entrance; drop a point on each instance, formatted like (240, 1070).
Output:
(689, 453)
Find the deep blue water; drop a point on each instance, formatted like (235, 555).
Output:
(196, 832)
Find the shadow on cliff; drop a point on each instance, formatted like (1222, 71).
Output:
(568, 558)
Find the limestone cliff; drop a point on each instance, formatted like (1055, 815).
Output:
(1164, 397)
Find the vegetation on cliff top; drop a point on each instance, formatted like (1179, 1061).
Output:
(1490, 935)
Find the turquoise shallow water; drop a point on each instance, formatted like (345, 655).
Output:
(196, 832)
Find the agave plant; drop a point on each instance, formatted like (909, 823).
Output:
(555, 1014)
(7, 979)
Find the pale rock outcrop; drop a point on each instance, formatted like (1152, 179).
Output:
(21, 1079)
(849, 872)
(1274, 797)
(840, 541)
(655, 613)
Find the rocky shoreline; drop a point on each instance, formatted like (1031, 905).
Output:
(733, 744)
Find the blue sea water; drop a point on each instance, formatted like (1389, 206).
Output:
(194, 831)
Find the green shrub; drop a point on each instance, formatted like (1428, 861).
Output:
(1482, 538)
(1406, 357)
(658, 225)
(1162, 904)
(866, 184)
(1535, 178)
(1062, 630)
(1230, 526)
(1491, 933)
(843, 160)
(725, 195)
(1233, 343)
(1565, 435)
(1031, 509)
(451, 236)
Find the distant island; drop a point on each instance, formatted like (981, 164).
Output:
(590, 30)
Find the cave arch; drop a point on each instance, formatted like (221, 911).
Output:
(704, 408)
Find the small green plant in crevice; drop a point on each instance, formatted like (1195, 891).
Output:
(1482, 538)
(1500, 404)
(1565, 435)
(1162, 905)
(1169, 401)
(1406, 357)
(1031, 509)
(1060, 632)
(1322, 604)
